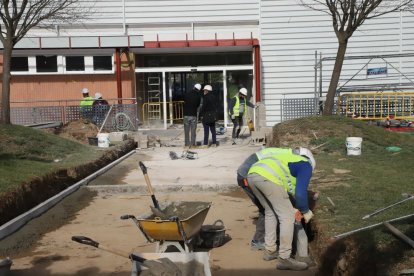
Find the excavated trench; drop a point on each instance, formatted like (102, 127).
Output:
(21, 199)
(342, 257)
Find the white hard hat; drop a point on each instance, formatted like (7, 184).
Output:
(98, 95)
(197, 86)
(85, 90)
(208, 87)
(243, 91)
(308, 154)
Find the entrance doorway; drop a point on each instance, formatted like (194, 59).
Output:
(160, 92)
(183, 82)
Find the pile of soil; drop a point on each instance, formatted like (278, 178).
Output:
(78, 130)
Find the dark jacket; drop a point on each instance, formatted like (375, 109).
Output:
(100, 102)
(209, 108)
(192, 101)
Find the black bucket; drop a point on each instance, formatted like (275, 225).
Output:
(93, 141)
(213, 235)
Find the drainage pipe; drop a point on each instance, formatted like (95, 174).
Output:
(13, 225)
(343, 235)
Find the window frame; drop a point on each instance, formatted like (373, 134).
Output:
(61, 65)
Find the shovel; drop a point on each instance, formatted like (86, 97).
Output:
(156, 209)
(164, 265)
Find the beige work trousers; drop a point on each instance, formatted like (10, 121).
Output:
(277, 206)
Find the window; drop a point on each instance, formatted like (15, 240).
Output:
(102, 63)
(45, 64)
(60, 64)
(19, 64)
(75, 63)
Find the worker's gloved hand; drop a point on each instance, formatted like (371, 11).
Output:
(298, 215)
(233, 117)
(308, 216)
(257, 105)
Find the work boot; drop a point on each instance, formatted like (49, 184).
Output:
(257, 245)
(268, 255)
(308, 260)
(290, 264)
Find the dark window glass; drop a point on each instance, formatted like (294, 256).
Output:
(46, 63)
(239, 58)
(75, 63)
(102, 63)
(19, 64)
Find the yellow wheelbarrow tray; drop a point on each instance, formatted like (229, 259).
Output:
(191, 215)
(185, 221)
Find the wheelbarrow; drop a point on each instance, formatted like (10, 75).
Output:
(180, 224)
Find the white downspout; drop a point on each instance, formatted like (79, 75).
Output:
(225, 98)
(164, 99)
(123, 17)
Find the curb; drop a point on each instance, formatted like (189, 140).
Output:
(13, 225)
(131, 188)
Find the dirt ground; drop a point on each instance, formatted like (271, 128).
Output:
(44, 246)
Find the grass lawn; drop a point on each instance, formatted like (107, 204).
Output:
(27, 153)
(351, 187)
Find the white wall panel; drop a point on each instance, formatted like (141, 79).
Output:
(290, 34)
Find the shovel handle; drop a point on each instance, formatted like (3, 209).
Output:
(143, 168)
(85, 240)
(147, 180)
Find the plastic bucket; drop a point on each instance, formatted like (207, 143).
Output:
(103, 140)
(353, 145)
(213, 235)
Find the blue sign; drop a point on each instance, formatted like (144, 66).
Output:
(377, 71)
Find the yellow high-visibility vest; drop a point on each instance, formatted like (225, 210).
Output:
(276, 170)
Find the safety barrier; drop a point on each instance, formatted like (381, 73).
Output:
(114, 117)
(153, 112)
(377, 105)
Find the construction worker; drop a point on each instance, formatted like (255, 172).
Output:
(86, 105)
(100, 108)
(209, 116)
(257, 242)
(192, 104)
(273, 180)
(237, 109)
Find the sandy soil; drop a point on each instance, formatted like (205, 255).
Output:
(95, 212)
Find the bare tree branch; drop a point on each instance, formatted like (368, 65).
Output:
(20, 16)
(347, 16)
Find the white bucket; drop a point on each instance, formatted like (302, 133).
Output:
(353, 145)
(103, 140)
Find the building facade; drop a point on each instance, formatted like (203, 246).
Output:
(152, 52)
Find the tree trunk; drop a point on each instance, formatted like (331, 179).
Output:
(5, 99)
(336, 74)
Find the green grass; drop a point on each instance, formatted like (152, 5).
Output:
(359, 185)
(27, 153)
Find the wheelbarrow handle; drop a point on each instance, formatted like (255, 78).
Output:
(85, 240)
(89, 241)
(127, 217)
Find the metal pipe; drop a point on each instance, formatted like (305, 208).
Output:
(343, 235)
(257, 73)
(118, 74)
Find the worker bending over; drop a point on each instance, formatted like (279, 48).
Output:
(272, 180)
(257, 242)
